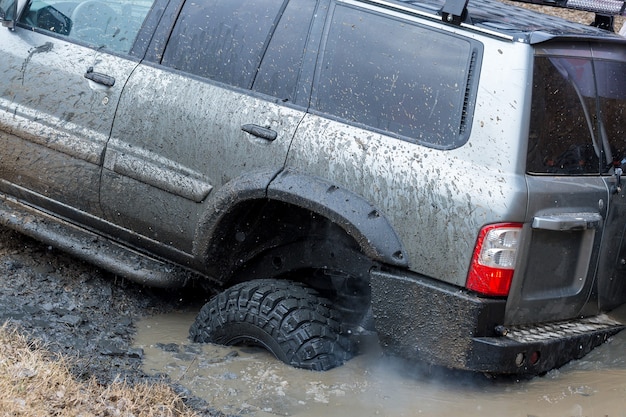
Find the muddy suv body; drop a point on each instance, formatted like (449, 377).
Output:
(447, 177)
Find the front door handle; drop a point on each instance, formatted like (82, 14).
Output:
(260, 132)
(98, 77)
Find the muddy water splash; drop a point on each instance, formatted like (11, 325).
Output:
(249, 381)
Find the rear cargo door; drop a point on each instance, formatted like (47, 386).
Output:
(573, 261)
(610, 67)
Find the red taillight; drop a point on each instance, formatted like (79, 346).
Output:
(493, 262)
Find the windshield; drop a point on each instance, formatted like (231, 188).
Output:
(578, 115)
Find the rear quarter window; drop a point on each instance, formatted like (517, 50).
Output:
(280, 69)
(398, 77)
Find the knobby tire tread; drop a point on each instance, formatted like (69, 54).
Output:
(289, 319)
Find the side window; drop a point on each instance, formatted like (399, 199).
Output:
(612, 103)
(112, 24)
(223, 40)
(578, 116)
(281, 65)
(397, 77)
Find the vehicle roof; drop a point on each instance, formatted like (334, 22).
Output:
(514, 22)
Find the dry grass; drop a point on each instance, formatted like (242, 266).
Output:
(33, 383)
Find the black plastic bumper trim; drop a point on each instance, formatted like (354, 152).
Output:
(502, 355)
(419, 318)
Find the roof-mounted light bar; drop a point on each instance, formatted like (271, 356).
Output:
(602, 7)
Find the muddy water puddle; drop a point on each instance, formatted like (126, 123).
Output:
(248, 381)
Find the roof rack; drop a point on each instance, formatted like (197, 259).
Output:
(604, 9)
(455, 11)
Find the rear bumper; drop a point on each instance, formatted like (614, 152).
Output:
(423, 319)
(537, 349)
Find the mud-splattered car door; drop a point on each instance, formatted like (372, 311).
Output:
(573, 263)
(206, 114)
(63, 69)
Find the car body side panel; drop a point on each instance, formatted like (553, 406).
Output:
(178, 139)
(437, 221)
(55, 122)
(435, 200)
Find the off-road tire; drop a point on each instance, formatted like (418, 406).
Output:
(290, 320)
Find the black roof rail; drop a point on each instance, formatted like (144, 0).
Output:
(455, 12)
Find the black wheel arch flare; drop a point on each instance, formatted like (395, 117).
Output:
(240, 198)
(370, 229)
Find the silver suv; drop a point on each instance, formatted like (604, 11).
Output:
(445, 176)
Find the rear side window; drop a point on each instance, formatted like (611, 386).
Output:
(397, 77)
(223, 40)
(281, 65)
(578, 115)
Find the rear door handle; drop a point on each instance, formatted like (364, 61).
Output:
(568, 221)
(260, 132)
(98, 77)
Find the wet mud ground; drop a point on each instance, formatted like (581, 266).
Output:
(244, 381)
(82, 312)
(112, 329)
